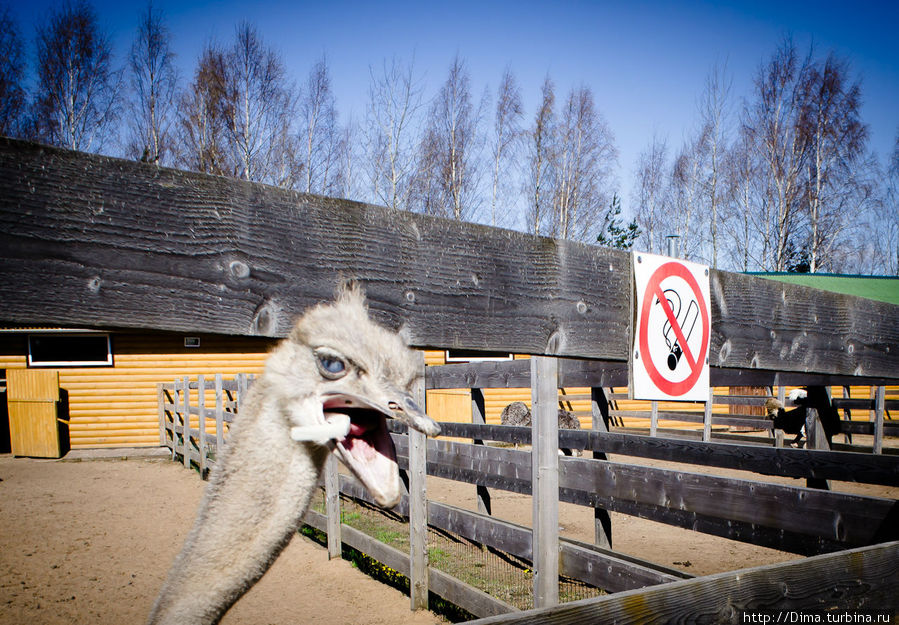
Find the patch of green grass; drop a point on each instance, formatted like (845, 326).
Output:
(437, 556)
(388, 536)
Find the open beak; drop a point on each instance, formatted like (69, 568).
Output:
(367, 449)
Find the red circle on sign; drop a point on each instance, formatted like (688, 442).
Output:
(668, 270)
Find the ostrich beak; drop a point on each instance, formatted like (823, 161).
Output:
(408, 411)
(367, 449)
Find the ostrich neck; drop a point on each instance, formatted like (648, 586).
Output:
(254, 504)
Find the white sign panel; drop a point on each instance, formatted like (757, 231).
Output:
(673, 325)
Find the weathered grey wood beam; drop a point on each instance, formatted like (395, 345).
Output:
(87, 240)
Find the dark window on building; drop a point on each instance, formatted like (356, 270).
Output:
(471, 355)
(69, 350)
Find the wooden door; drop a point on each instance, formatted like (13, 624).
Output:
(33, 396)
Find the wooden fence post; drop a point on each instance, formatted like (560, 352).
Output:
(418, 506)
(241, 379)
(478, 415)
(707, 416)
(185, 417)
(879, 403)
(219, 416)
(545, 479)
(332, 506)
(160, 402)
(599, 409)
(815, 439)
(201, 408)
(778, 438)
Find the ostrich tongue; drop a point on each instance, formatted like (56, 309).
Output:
(365, 446)
(357, 429)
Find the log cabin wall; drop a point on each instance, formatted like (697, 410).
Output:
(116, 406)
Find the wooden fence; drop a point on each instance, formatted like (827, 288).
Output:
(184, 425)
(802, 520)
(94, 242)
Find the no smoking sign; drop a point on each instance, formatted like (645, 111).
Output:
(673, 325)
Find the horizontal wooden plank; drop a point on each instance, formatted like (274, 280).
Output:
(606, 373)
(863, 404)
(858, 579)
(144, 247)
(861, 427)
(138, 246)
(517, 374)
(788, 462)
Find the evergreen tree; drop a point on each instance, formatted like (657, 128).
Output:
(614, 232)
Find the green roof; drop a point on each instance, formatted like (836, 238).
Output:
(880, 288)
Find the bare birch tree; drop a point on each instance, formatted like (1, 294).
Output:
(77, 99)
(451, 146)
(714, 109)
(685, 215)
(201, 118)
(12, 74)
(259, 106)
(887, 232)
(740, 242)
(154, 79)
(584, 158)
(539, 176)
(649, 192)
(836, 191)
(505, 146)
(393, 104)
(426, 187)
(349, 184)
(769, 122)
(320, 136)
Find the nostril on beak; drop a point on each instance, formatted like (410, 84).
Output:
(394, 406)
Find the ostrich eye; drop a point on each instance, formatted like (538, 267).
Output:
(331, 365)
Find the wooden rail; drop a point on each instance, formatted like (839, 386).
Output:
(858, 579)
(788, 462)
(788, 518)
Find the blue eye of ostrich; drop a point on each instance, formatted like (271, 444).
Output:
(331, 365)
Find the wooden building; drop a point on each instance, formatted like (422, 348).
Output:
(112, 401)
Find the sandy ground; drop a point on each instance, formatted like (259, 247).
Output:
(90, 542)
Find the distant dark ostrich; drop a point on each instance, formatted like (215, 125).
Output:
(518, 413)
(793, 421)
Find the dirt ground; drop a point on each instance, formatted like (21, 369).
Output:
(90, 542)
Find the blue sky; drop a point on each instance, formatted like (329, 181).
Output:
(646, 61)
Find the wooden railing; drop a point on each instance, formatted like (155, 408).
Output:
(186, 416)
(195, 414)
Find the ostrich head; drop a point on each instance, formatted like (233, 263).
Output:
(340, 373)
